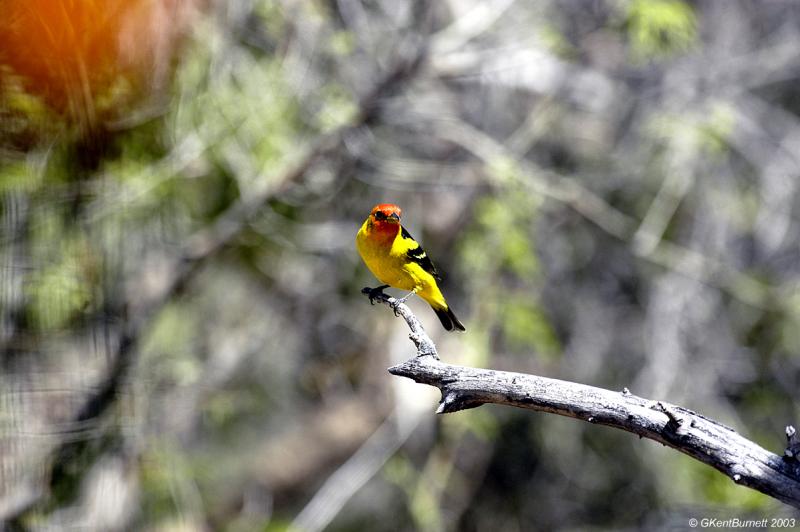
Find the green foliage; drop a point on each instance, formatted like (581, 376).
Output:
(421, 490)
(24, 117)
(501, 238)
(716, 130)
(246, 116)
(789, 325)
(660, 28)
(343, 43)
(230, 412)
(499, 245)
(278, 525)
(719, 489)
(272, 15)
(480, 423)
(707, 130)
(63, 288)
(170, 347)
(164, 473)
(525, 326)
(338, 108)
(56, 296)
(554, 40)
(19, 176)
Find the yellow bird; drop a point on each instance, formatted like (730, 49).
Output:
(397, 260)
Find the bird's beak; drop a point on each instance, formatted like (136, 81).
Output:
(394, 217)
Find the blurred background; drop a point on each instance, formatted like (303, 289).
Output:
(609, 188)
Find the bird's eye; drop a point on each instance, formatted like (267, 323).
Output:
(380, 216)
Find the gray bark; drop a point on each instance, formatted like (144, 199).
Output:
(704, 439)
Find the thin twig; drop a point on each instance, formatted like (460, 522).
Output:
(425, 346)
(352, 476)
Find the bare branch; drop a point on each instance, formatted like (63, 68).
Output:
(704, 439)
(425, 346)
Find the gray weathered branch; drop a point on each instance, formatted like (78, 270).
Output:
(704, 439)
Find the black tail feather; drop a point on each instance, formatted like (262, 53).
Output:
(449, 320)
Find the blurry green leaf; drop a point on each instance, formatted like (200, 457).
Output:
(660, 28)
(716, 129)
(56, 295)
(245, 114)
(424, 507)
(554, 41)
(526, 327)
(482, 423)
(271, 14)
(279, 525)
(170, 346)
(221, 408)
(338, 108)
(32, 107)
(499, 246)
(155, 473)
(518, 253)
(502, 237)
(706, 130)
(399, 471)
(423, 504)
(229, 410)
(342, 43)
(790, 326)
(114, 95)
(25, 119)
(19, 176)
(59, 292)
(720, 489)
(504, 170)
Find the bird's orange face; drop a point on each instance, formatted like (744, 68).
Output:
(385, 214)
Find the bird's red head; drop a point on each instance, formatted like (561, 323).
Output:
(386, 213)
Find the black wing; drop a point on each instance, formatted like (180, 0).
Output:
(418, 255)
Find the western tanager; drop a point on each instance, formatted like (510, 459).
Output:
(397, 260)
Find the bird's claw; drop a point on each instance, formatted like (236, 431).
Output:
(373, 293)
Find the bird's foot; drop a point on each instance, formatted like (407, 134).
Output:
(398, 302)
(374, 293)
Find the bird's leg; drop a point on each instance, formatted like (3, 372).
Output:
(402, 300)
(405, 297)
(374, 293)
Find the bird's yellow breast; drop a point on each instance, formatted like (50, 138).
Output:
(385, 258)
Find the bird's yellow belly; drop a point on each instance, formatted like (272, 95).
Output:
(391, 271)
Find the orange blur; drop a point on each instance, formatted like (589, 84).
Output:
(74, 53)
